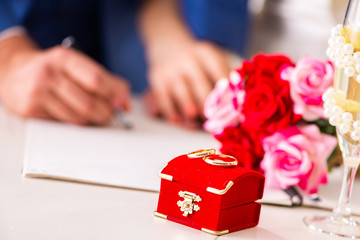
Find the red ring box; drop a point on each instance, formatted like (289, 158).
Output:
(214, 199)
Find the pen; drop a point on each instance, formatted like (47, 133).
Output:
(120, 118)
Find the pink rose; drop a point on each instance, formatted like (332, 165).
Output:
(308, 81)
(297, 156)
(223, 106)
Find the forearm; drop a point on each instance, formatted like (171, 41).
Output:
(161, 24)
(182, 69)
(14, 49)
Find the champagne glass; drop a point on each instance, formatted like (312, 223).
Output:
(342, 106)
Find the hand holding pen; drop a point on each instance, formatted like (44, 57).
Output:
(74, 88)
(119, 98)
(58, 83)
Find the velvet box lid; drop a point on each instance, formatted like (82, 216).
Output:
(215, 198)
(237, 184)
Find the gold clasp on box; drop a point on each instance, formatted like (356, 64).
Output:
(187, 205)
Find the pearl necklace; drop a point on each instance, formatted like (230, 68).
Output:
(342, 53)
(336, 107)
(339, 118)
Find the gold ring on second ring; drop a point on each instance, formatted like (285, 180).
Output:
(220, 162)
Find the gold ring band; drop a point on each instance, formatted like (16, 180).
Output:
(220, 160)
(201, 153)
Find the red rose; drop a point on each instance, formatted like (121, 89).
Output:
(244, 146)
(245, 157)
(263, 69)
(268, 106)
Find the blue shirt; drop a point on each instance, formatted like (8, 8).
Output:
(106, 30)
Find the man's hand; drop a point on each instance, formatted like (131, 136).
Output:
(182, 75)
(61, 84)
(182, 69)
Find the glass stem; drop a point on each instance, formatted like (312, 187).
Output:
(343, 208)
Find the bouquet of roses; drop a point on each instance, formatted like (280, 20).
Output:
(269, 115)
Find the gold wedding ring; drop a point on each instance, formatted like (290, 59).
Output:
(221, 160)
(201, 153)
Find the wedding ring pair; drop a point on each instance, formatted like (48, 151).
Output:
(211, 158)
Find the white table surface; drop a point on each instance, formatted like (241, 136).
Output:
(47, 209)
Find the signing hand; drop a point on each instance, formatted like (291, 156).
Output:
(61, 84)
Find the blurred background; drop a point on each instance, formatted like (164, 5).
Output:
(295, 27)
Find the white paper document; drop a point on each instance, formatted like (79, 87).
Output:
(108, 155)
(119, 157)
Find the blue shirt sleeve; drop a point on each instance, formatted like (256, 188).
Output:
(13, 12)
(224, 22)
